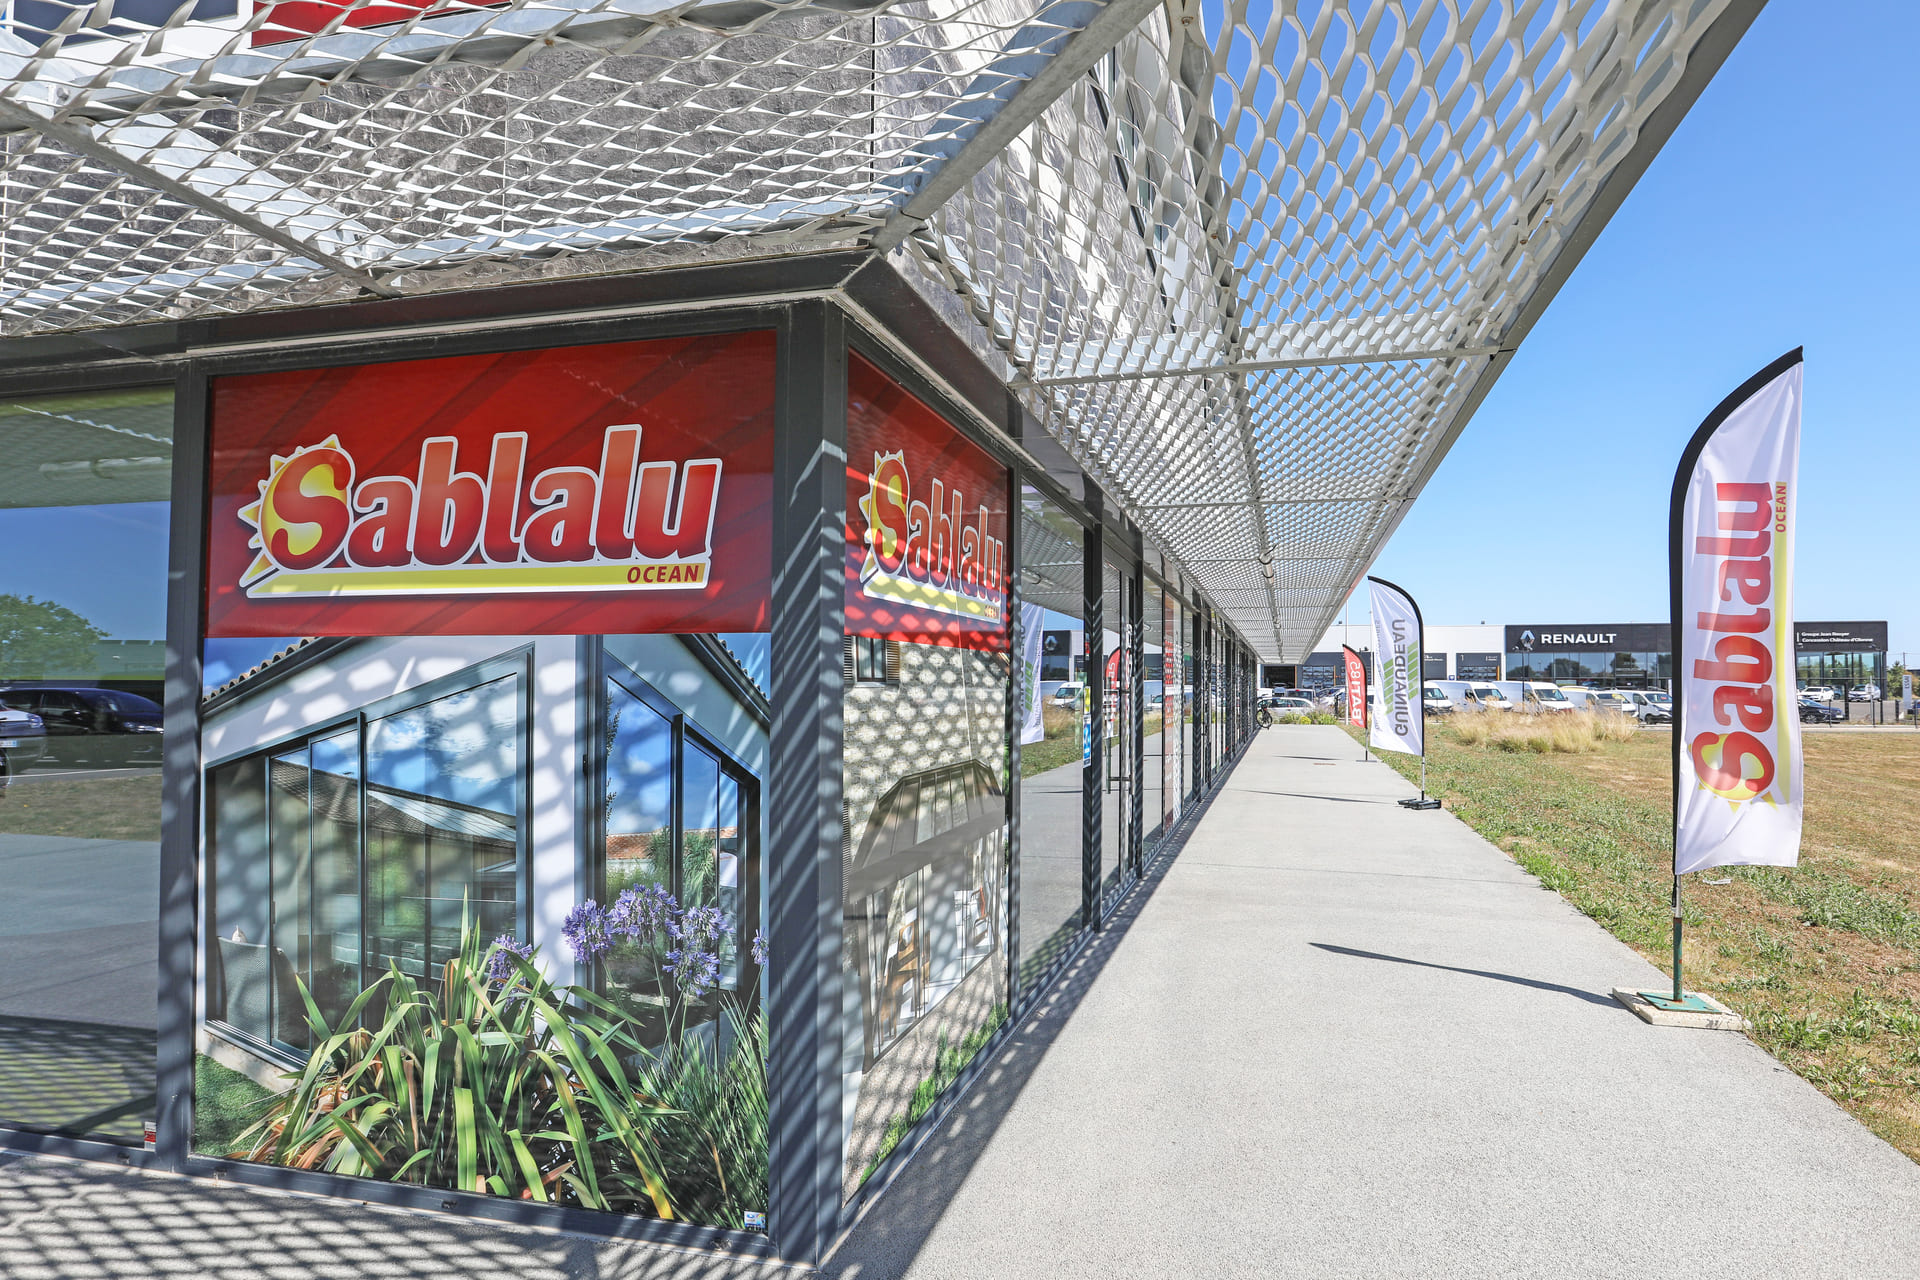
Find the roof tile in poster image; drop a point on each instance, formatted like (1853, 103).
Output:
(926, 523)
(479, 495)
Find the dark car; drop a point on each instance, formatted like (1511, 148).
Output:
(93, 726)
(1815, 712)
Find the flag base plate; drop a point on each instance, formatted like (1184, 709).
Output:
(1660, 1009)
(1431, 802)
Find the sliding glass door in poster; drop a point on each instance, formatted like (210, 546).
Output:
(928, 677)
(485, 720)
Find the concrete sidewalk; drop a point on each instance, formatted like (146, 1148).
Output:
(1332, 1037)
(1340, 1038)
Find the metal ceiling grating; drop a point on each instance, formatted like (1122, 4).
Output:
(1251, 261)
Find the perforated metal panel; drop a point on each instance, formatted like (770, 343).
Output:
(1247, 260)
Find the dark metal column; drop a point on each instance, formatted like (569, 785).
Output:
(180, 777)
(1017, 687)
(1093, 769)
(805, 912)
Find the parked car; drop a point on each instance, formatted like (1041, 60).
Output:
(1816, 711)
(1818, 693)
(1434, 700)
(1290, 706)
(93, 726)
(1863, 693)
(1068, 694)
(23, 740)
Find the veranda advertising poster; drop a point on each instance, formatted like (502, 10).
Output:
(485, 723)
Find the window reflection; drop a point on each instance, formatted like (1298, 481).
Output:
(84, 483)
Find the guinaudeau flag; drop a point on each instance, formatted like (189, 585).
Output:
(1398, 720)
(1737, 764)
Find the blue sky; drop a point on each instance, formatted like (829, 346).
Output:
(106, 563)
(1780, 214)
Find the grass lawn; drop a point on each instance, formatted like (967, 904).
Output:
(224, 1104)
(1824, 959)
(125, 808)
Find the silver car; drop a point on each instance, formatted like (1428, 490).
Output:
(23, 740)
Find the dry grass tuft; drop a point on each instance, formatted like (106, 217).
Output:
(1568, 733)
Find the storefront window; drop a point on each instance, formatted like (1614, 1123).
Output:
(1155, 753)
(1119, 765)
(1052, 760)
(84, 511)
(486, 715)
(1189, 765)
(925, 766)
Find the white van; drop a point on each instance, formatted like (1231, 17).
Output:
(1547, 697)
(1489, 696)
(1068, 694)
(1434, 700)
(1471, 695)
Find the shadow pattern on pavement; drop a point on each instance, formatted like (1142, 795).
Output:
(80, 1078)
(888, 1236)
(1535, 983)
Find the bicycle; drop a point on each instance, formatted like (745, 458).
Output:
(1264, 718)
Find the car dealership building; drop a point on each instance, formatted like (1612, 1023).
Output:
(1601, 655)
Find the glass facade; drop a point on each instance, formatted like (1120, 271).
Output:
(925, 765)
(1155, 755)
(1053, 761)
(85, 483)
(1119, 757)
(1842, 670)
(1623, 669)
(481, 883)
(449, 804)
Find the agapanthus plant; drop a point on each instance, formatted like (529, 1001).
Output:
(586, 932)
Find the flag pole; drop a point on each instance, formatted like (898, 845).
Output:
(1678, 995)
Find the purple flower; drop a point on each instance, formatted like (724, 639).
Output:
(699, 928)
(641, 914)
(501, 959)
(694, 971)
(585, 930)
(760, 948)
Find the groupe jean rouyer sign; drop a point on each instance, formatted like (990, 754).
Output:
(1839, 637)
(607, 489)
(926, 523)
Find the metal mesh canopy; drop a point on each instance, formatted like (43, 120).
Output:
(1250, 261)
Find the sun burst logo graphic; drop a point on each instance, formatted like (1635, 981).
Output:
(301, 516)
(1737, 767)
